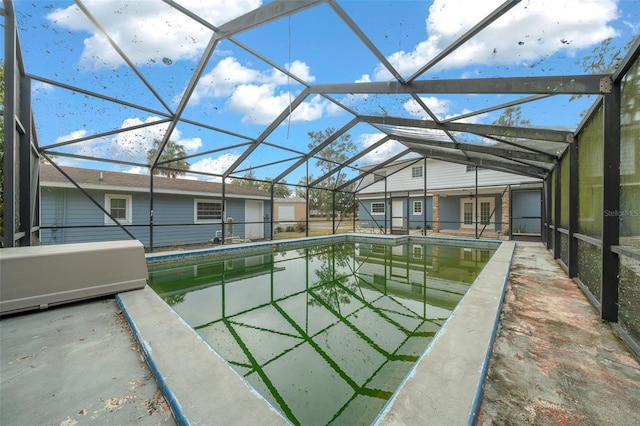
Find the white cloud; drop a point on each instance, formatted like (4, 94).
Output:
(301, 70)
(73, 135)
(528, 32)
(223, 79)
(353, 99)
(91, 147)
(67, 161)
(474, 119)
(214, 165)
(146, 34)
(130, 145)
(438, 106)
(312, 110)
(39, 86)
(381, 153)
(333, 109)
(633, 26)
(137, 170)
(297, 68)
(255, 94)
(138, 141)
(260, 104)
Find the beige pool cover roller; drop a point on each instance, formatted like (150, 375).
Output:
(37, 277)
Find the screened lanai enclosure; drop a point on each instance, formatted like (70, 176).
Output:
(218, 120)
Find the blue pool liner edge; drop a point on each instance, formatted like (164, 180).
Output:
(277, 244)
(176, 408)
(477, 401)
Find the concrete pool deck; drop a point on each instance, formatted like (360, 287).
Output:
(554, 361)
(80, 364)
(76, 364)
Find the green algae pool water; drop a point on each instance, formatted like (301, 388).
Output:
(325, 333)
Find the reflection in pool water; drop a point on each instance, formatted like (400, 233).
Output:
(325, 333)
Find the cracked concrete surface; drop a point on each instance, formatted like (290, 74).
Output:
(73, 365)
(554, 362)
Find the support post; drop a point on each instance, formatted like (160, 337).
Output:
(610, 205)
(9, 189)
(548, 184)
(26, 169)
(424, 205)
(544, 219)
(557, 209)
(223, 213)
(387, 201)
(573, 208)
(353, 201)
(151, 210)
(476, 203)
(333, 212)
(408, 213)
(436, 213)
(307, 196)
(272, 211)
(308, 210)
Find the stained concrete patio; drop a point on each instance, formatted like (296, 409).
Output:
(554, 362)
(73, 365)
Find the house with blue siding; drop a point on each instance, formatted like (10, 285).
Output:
(116, 206)
(441, 196)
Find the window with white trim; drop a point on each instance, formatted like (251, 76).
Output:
(485, 212)
(416, 172)
(377, 208)
(467, 255)
(119, 206)
(468, 214)
(417, 207)
(207, 211)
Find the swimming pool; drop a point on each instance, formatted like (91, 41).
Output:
(326, 333)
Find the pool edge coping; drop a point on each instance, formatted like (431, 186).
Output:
(297, 242)
(172, 400)
(475, 408)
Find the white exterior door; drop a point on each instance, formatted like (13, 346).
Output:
(254, 214)
(397, 211)
(485, 209)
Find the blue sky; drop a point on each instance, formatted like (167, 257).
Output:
(241, 93)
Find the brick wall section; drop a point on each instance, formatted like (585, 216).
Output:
(436, 213)
(505, 210)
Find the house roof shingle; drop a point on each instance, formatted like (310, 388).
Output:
(98, 179)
